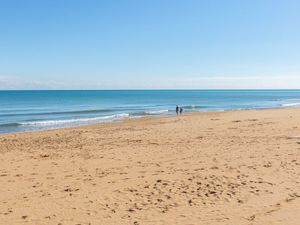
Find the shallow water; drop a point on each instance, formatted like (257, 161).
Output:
(35, 110)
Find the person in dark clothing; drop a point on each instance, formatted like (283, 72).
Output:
(181, 110)
(177, 110)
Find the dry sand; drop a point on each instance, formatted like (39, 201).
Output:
(239, 167)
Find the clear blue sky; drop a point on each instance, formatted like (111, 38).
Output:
(94, 44)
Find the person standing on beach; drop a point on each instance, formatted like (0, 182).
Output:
(181, 110)
(177, 110)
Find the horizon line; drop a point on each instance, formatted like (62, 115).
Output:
(155, 89)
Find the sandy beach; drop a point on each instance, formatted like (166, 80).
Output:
(237, 167)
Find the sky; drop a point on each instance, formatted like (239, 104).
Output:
(150, 44)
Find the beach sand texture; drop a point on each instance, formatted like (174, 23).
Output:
(235, 168)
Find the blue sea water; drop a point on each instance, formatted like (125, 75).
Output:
(36, 110)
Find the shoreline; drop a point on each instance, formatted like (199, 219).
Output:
(232, 167)
(148, 117)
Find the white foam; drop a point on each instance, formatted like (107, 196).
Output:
(157, 112)
(75, 121)
(291, 104)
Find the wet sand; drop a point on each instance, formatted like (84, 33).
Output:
(238, 167)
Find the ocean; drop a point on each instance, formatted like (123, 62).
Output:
(36, 110)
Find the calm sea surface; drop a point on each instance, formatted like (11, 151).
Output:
(35, 110)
